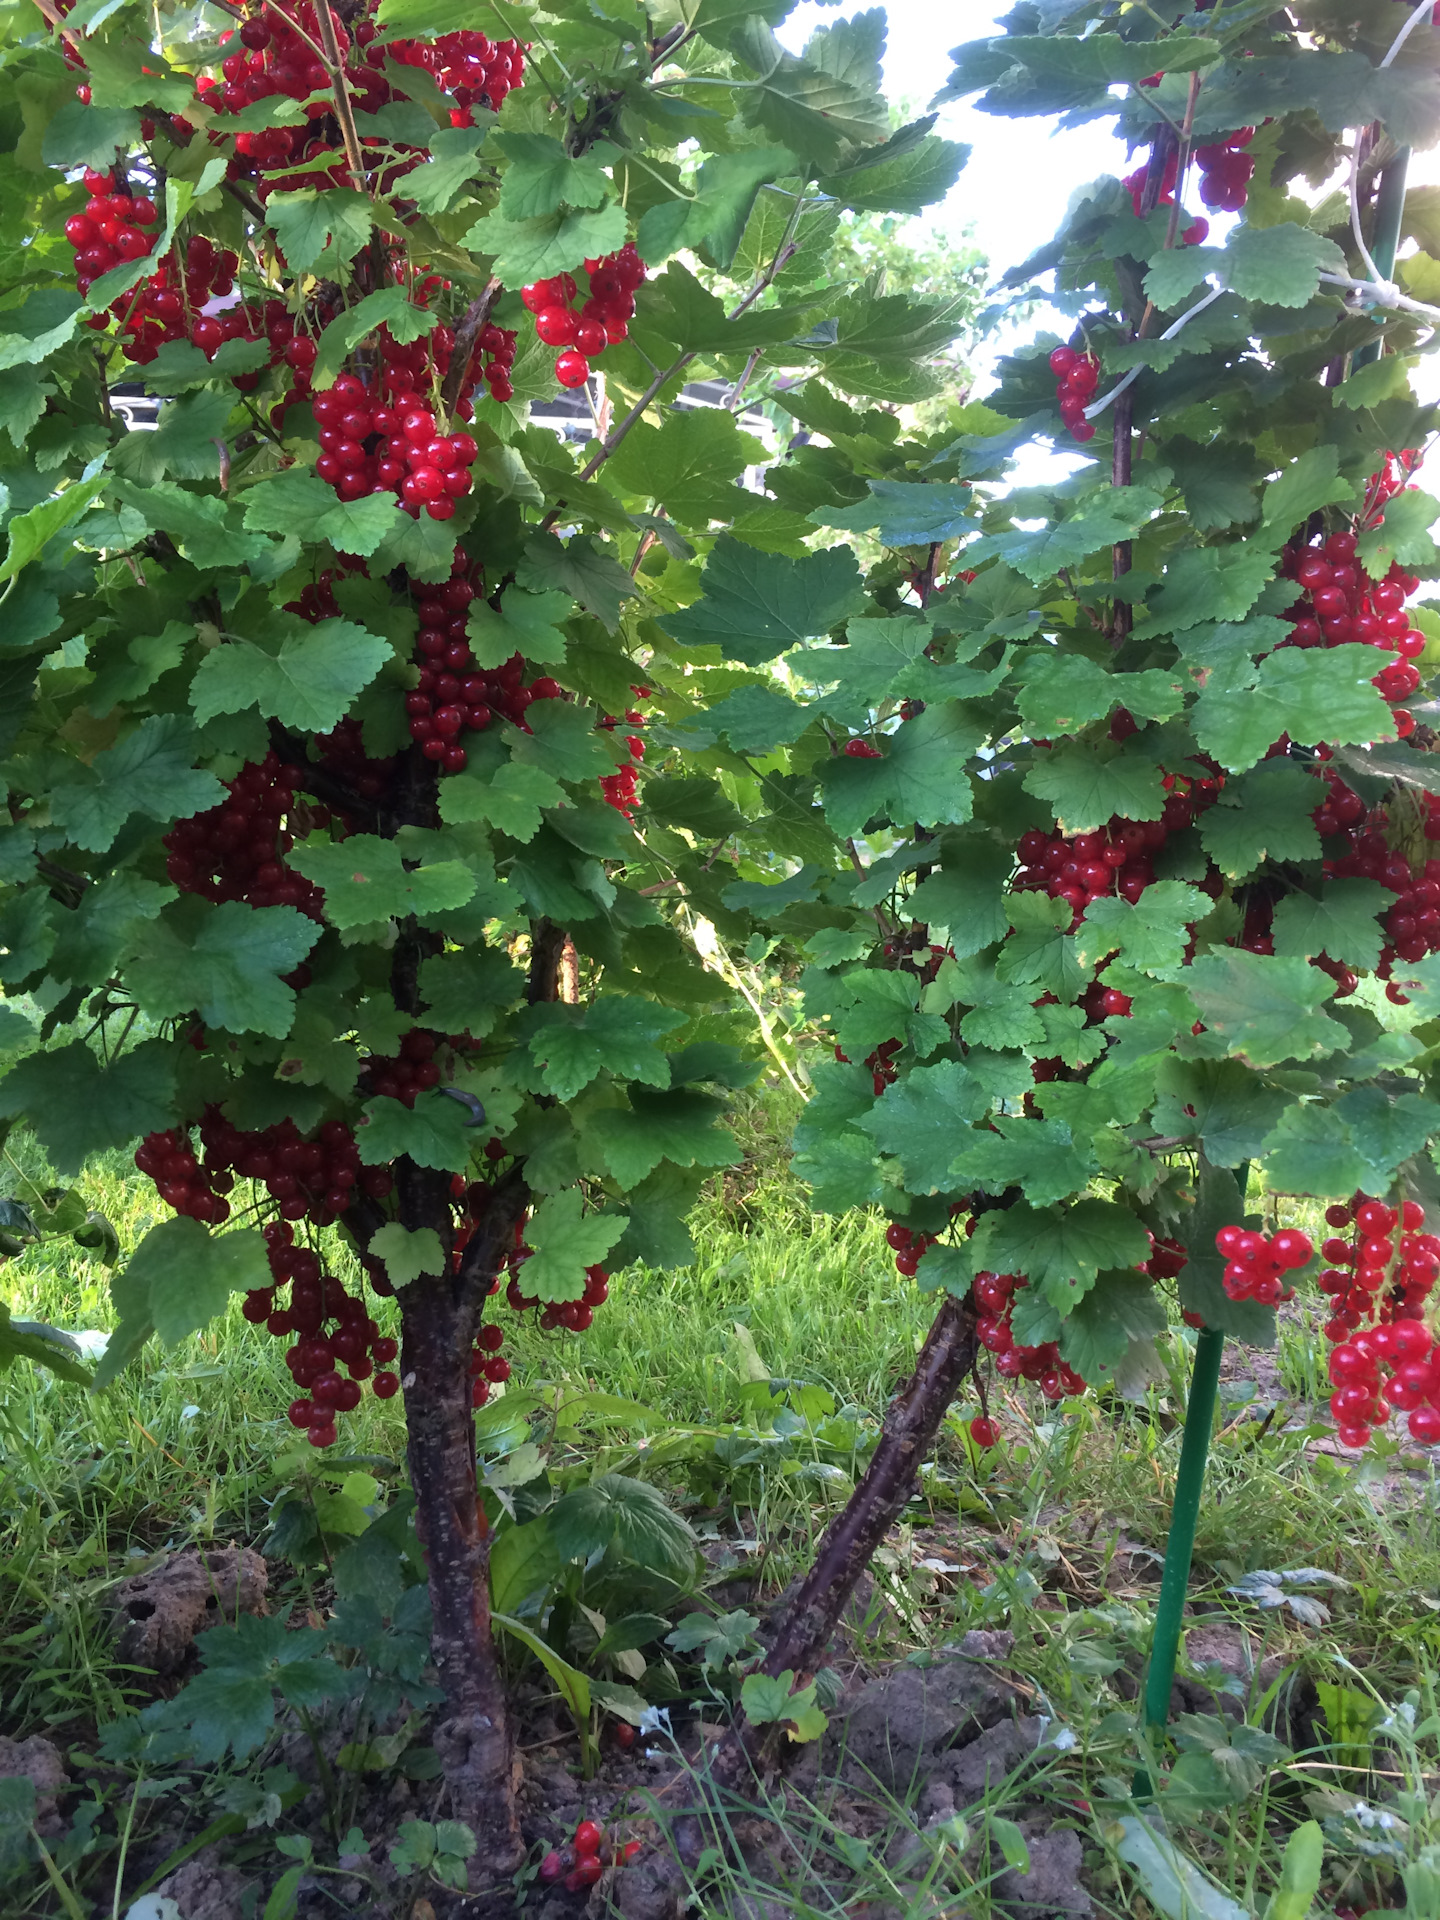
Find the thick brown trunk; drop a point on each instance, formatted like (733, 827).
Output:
(473, 1737)
(911, 1425)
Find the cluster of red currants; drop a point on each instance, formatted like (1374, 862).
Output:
(1255, 1262)
(403, 1075)
(473, 70)
(1134, 185)
(1362, 1400)
(994, 1297)
(308, 1179)
(374, 449)
(1115, 859)
(168, 304)
(1341, 605)
(488, 1367)
(236, 851)
(279, 53)
(909, 1247)
(602, 320)
(571, 1316)
(1371, 1275)
(116, 226)
(1411, 924)
(580, 1864)
(619, 788)
(1225, 171)
(1077, 375)
(1393, 477)
(453, 696)
(334, 1330)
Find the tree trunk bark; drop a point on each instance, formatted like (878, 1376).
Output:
(473, 1738)
(911, 1424)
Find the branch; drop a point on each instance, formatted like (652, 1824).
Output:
(476, 315)
(344, 107)
(547, 945)
(612, 440)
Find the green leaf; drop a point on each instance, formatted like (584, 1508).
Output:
(1344, 922)
(542, 177)
(525, 623)
(1300, 1869)
(465, 991)
(1307, 484)
(1038, 1156)
(366, 879)
(1065, 692)
(1311, 1152)
(1120, 1311)
(1264, 814)
(616, 1032)
(1217, 479)
(316, 229)
(725, 191)
(205, 529)
(1172, 1883)
(186, 1273)
(407, 1252)
(920, 1118)
(1265, 1008)
(1279, 266)
(918, 777)
(779, 1701)
(581, 569)
(390, 307)
(1117, 513)
(826, 104)
(1208, 583)
(1151, 935)
(566, 1240)
(44, 1347)
(757, 605)
(968, 896)
(149, 771)
(1037, 953)
(1061, 1249)
(223, 963)
(904, 513)
(30, 533)
(1313, 695)
(1086, 785)
(678, 1126)
(435, 1132)
(77, 1107)
(1223, 1104)
(437, 183)
(629, 1516)
(1387, 1127)
(562, 742)
(294, 502)
(690, 465)
(305, 676)
(905, 175)
(1402, 536)
(513, 799)
(538, 249)
(87, 136)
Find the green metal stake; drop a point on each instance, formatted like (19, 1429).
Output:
(1389, 213)
(1180, 1543)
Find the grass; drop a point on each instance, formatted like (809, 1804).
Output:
(1055, 1535)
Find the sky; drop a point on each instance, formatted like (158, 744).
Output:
(1021, 174)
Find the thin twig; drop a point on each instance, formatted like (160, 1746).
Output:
(344, 107)
(476, 315)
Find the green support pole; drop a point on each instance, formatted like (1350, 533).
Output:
(1180, 1543)
(1389, 213)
